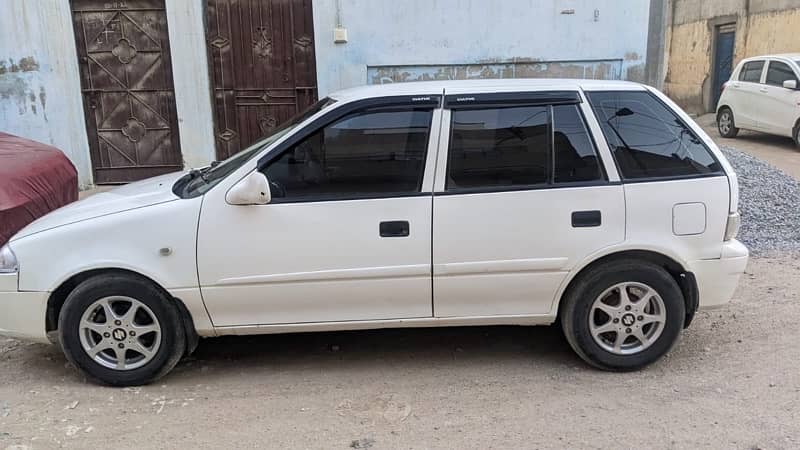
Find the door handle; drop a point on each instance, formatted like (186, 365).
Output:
(763, 89)
(586, 219)
(397, 228)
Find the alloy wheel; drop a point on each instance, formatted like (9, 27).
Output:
(627, 318)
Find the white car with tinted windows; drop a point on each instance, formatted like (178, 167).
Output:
(763, 94)
(597, 204)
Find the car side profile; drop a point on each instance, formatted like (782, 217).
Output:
(599, 205)
(763, 94)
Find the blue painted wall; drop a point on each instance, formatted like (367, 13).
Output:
(428, 39)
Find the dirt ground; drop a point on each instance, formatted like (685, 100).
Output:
(731, 382)
(776, 150)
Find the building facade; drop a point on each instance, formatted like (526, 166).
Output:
(705, 39)
(135, 88)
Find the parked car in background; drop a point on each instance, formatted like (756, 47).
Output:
(763, 94)
(515, 202)
(34, 179)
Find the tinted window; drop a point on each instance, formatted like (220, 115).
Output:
(574, 153)
(363, 155)
(778, 72)
(499, 147)
(648, 139)
(752, 72)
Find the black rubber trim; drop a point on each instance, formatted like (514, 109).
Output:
(674, 178)
(691, 294)
(531, 187)
(340, 198)
(511, 99)
(423, 102)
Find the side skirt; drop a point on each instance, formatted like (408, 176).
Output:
(380, 324)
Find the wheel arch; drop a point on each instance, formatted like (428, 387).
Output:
(58, 296)
(684, 278)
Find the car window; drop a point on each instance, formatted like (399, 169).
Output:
(499, 147)
(574, 152)
(520, 146)
(365, 154)
(778, 72)
(648, 139)
(751, 71)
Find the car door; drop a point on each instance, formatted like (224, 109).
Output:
(521, 196)
(748, 98)
(779, 103)
(347, 235)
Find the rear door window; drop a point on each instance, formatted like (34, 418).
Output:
(751, 72)
(778, 72)
(648, 139)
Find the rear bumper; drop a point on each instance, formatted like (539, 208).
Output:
(717, 278)
(22, 314)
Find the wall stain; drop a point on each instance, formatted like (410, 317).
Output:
(26, 64)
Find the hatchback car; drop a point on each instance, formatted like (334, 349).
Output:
(597, 204)
(763, 94)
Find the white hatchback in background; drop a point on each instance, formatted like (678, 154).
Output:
(763, 94)
(516, 202)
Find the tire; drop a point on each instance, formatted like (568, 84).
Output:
(85, 325)
(581, 312)
(726, 124)
(797, 135)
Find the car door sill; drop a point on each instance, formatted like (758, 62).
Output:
(539, 319)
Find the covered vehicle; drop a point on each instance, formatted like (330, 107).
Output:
(34, 179)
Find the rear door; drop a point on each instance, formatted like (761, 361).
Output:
(780, 104)
(746, 99)
(520, 197)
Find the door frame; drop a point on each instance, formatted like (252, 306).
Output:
(716, 27)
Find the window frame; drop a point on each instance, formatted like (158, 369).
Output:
(623, 179)
(503, 100)
(764, 65)
(777, 61)
(430, 103)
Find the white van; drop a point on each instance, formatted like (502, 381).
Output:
(597, 204)
(763, 94)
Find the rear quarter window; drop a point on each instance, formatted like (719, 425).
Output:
(648, 139)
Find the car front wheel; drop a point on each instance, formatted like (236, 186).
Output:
(121, 330)
(623, 315)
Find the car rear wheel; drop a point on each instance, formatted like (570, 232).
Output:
(623, 315)
(725, 123)
(797, 135)
(121, 330)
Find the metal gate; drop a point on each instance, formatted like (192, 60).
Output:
(128, 96)
(723, 59)
(263, 67)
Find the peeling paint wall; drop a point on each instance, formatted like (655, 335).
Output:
(762, 27)
(437, 39)
(39, 85)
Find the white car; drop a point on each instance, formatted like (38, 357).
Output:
(598, 204)
(763, 94)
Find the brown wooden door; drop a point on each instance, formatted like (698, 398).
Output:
(263, 67)
(126, 78)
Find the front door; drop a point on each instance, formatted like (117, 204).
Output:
(520, 199)
(723, 60)
(128, 96)
(263, 68)
(347, 236)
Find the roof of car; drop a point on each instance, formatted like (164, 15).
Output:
(790, 56)
(480, 86)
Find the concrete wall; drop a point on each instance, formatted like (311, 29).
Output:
(762, 27)
(39, 84)
(435, 39)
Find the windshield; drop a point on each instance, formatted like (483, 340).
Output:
(199, 181)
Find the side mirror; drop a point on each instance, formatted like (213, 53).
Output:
(790, 84)
(251, 190)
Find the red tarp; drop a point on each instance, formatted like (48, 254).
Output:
(34, 180)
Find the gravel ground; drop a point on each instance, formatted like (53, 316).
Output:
(769, 203)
